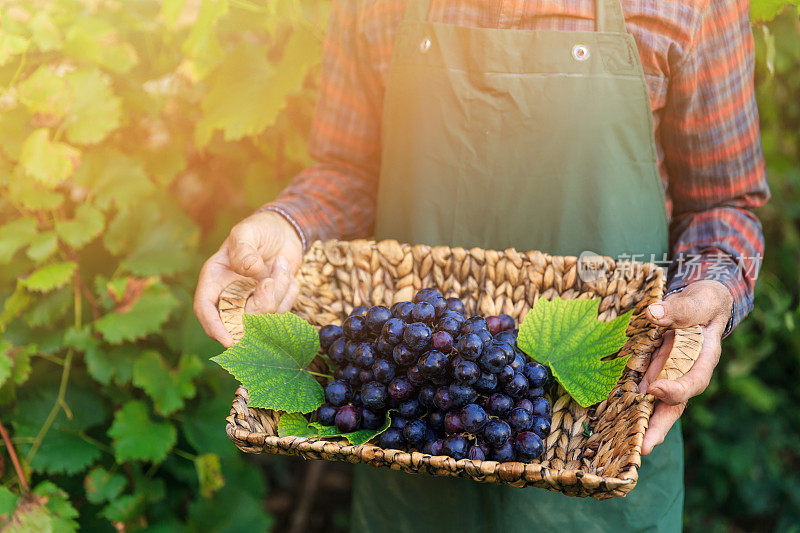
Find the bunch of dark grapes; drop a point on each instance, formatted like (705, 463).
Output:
(455, 385)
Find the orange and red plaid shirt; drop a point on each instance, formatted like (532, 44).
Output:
(698, 60)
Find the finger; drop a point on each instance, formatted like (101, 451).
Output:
(694, 382)
(700, 303)
(243, 251)
(664, 417)
(658, 361)
(283, 279)
(288, 301)
(206, 298)
(263, 300)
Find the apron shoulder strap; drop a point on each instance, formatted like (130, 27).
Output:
(417, 10)
(609, 17)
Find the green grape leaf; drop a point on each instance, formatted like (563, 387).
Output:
(566, 336)
(115, 179)
(136, 437)
(46, 34)
(87, 224)
(145, 317)
(45, 92)
(62, 513)
(14, 129)
(14, 235)
(49, 308)
(213, 515)
(97, 41)
(95, 111)
(8, 502)
(6, 362)
(167, 388)
(49, 162)
(11, 45)
(270, 362)
(14, 305)
(125, 508)
(296, 425)
(50, 277)
(209, 474)
(769, 9)
(101, 485)
(200, 426)
(202, 44)
(42, 246)
(31, 194)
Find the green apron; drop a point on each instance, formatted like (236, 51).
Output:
(536, 140)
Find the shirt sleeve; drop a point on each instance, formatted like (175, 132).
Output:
(712, 150)
(335, 198)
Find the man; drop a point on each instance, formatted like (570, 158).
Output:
(556, 126)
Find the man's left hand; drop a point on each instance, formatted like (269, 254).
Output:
(703, 303)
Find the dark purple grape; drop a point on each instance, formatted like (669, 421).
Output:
(392, 330)
(392, 439)
(534, 392)
(425, 396)
(417, 336)
(326, 414)
(498, 404)
(528, 445)
(504, 453)
(518, 364)
(541, 407)
(365, 375)
(473, 417)
(462, 394)
(433, 447)
(371, 419)
(377, 317)
(327, 335)
(442, 399)
(452, 423)
(506, 322)
(398, 421)
(449, 325)
(507, 349)
(355, 327)
(494, 325)
(415, 433)
(506, 336)
(524, 404)
(536, 374)
(350, 348)
(466, 372)
(383, 371)
(423, 312)
(519, 420)
(348, 418)
(541, 426)
(458, 317)
(425, 294)
(455, 446)
(402, 310)
(454, 304)
(478, 452)
(374, 396)
(442, 341)
(492, 360)
(436, 421)
(496, 433)
(486, 338)
(359, 310)
(364, 355)
(415, 375)
(383, 348)
(336, 352)
(403, 356)
(409, 409)
(432, 364)
(439, 305)
(505, 375)
(400, 389)
(486, 383)
(338, 393)
(470, 346)
(517, 386)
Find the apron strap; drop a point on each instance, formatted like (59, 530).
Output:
(417, 10)
(609, 17)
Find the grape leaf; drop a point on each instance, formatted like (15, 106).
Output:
(31, 194)
(566, 336)
(769, 9)
(14, 235)
(95, 111)
(46, 34)
(125, 508)
(50, 277)
(11, 45)
(296, 425)
(209, 474)
(168, 388)
(49, 162)
(15, 304)
(85, 226)
(114, 178)
(62, 513)
(137, 437)
(270, 362)
(8, 502)
(146, 316)
(101, 485)
(45, 92)
(42, 246)
(96, 40)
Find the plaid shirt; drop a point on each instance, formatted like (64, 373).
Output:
(698, 61)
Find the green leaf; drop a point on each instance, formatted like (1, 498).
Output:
(50, 277)
(114, 178)
(50, 308)
(168, 388)
(95, 111)
(296, 425)
(215, 514)
(62, 513)
(46, 34)
(42, 246)
(202, 44)
(566, 336)
(271, 360)
(45, 92)
(125, 508)
(102, 485)
(136, 437)
(8, 502)
(11, 45)
(6, 363)
(14, 305)
(201, 427)
(146, 316)
(209, 474)
(31, 194)
(97, 41)
(49, 162)
(87, 224)
(769, 9)
(14, 235)
(14, 129)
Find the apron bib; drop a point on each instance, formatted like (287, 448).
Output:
(536, 140)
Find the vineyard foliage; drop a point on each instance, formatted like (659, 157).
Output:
(132, 136)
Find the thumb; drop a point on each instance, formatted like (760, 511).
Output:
(696, 305)
(244, 254)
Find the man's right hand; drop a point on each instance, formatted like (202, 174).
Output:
(265, 247)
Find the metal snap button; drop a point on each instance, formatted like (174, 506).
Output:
(580, 52)
(425, 44)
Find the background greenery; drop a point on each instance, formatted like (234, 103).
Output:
(132, 136)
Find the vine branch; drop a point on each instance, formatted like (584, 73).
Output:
(14, 459)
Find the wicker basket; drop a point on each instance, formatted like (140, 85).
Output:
(589, 452)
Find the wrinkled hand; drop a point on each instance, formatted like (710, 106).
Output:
(704, 303)
(265, 247)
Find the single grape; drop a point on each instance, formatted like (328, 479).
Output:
(536, 374)
(492, 360)
(470, 346)
(504, 453)
(496, 432)
(518, 364)
(359, 310)
(423, 312)
(398, 421)
(338, 393)
(498, 404)
(473, 324)
(326, 414)
(524, 403)
(452, 423)
(486, 338)
(327, 335)
(448, 325)
(365, 375)
(347, 419)
(455, 446)
(473, 417)
(466, 372)
(400, 389)
(392, 438)
(528, 445)
(494, 325)
(415, 375)
(541, 426)
(462, 394)
(409, 409)
(365, 355)
(454, 304)
(374, 396)
(425, 396)
(478, 452)
(486, 383)
(534, 392)
(432, 364)
(355, 327)
(433, 447)
(442, 399)
(508, 350)
(415, 432)
(541, 407)
(506, 322)
(442, 341)
(402, 310)
(383, 370)
(439, 305)
(377, 317)
(383, 348)
(403, 356)
(417, 336)
(507, 337)
(520, 420)
(505, 375)
(350, 350)
(371, 419)
(436, 421)
(392, 330)
(517, 386)
(336, 352)
(424, 294)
